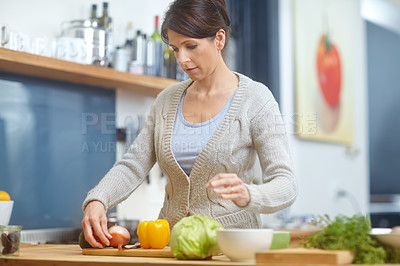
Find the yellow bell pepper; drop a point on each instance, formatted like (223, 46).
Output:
(153, 234)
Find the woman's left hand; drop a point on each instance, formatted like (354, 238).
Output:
(231, 187)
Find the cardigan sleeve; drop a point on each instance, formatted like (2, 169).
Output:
(278, 189)
(129, 172)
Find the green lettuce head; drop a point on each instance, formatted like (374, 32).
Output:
(195, 237)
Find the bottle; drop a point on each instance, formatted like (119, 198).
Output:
(130, 39)
(130, 35)
(105, 19)
(106, 23)
(156, 34)
(137, 65)
(149, 65)
(170, 64)
(93, 12)
(158, 49)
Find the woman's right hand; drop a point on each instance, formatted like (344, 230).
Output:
(94, 225)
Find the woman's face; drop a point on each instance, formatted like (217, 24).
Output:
(197, 57)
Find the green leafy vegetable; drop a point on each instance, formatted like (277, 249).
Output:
(350, 233)
(195, 237)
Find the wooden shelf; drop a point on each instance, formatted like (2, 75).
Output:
(55, 69)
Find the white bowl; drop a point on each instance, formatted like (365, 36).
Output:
(242, 244)
(387, 236)
(5, 211)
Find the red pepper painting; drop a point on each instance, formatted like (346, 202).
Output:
(329, 71)
(326, 72)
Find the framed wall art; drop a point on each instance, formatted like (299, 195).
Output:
(324, 66)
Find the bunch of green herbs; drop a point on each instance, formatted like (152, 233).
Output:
(350, 233)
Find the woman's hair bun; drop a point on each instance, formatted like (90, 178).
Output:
(196, 18)
(221, 6)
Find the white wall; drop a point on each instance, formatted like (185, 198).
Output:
(323, 169)
(385, 13)
(44, 17)
(146, 202)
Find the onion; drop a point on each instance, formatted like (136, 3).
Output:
(120, 236)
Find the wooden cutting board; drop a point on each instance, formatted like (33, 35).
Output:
(304, 256)
(130, 252)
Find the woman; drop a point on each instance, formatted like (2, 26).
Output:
(204, 133)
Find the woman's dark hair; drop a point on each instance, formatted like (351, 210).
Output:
(196, 19)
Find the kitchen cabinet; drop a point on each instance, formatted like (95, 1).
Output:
(55, 69)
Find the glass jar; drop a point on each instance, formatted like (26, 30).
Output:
(10, 239)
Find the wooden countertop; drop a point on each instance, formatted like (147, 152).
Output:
(71, 255)
(55, 69)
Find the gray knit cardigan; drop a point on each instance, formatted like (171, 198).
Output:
(253, 125)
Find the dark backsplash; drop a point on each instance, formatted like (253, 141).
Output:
(57, 140)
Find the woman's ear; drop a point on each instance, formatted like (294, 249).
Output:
(220, 39)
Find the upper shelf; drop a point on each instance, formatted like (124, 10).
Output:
(52, 68)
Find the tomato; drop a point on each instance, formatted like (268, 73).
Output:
(329, 71)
